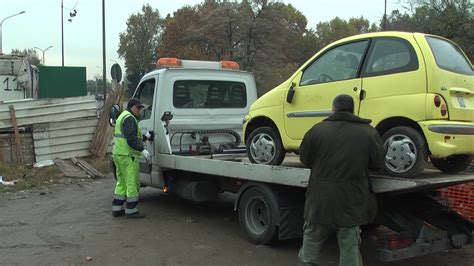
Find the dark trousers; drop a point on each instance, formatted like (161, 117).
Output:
(314, 237)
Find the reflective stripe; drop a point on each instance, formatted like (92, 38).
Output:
(117, 208)
(119, 197)
(132, 199)
(130, 211)
(119, 136)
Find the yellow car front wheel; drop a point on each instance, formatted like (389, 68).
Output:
(264, 146)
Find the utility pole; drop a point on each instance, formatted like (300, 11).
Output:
(1, 23)
(71, 15)
(62, 32)
(104, 77)
(385, 16)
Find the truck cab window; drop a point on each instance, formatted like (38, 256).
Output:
(145, 93)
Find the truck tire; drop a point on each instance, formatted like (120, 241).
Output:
(264, 146)
(258, 215)
(406, 152)
(452, 164)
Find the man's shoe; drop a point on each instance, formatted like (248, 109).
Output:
(118, 213)
(136, 215)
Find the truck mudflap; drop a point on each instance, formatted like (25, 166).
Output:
(421, 223)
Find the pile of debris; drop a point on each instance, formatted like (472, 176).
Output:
(78, 168)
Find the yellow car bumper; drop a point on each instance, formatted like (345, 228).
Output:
(446, 138)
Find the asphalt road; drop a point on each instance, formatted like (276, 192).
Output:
(66, 225)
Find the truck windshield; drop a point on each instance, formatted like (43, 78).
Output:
(449, 57)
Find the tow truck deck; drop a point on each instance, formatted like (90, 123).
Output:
(270, 201)
(292, 173)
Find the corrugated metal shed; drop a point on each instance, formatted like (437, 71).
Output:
(29, 112)
(63, 140)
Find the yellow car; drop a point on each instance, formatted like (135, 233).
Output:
(417, 89)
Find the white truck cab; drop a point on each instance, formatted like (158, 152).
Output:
(207, 100)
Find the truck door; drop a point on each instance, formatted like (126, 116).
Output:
(145, 93)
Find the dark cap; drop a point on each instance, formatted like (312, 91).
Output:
(134, 102)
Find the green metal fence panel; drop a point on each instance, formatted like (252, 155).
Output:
(59, 82)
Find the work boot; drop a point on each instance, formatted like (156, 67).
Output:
(135, 215)
(118, 213)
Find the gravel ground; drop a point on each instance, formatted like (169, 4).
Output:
(70, 223)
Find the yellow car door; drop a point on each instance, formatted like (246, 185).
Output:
(334, 72)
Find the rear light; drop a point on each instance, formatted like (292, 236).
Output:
(230, 65)
(444, 110)
(437, 101)
(396, 241)
(168, 62)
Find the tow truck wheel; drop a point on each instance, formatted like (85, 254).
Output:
(264, 146)
(258, 215)
(452, 164)
(406, 152)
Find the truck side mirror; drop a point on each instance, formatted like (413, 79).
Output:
(291, 93)
(167, 116)
(114, 114)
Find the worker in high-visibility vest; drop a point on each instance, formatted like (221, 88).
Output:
(128, 148)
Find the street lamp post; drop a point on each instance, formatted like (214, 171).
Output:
(44, 51)
(1, 23)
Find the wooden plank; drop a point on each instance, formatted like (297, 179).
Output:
(70, 170)
(19, 150)
(87, 168)
(104, 132)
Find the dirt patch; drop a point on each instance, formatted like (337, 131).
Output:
(31, 178)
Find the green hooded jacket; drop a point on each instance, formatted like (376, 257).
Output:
(340, 151)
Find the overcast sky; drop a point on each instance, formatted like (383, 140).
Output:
(40, 26)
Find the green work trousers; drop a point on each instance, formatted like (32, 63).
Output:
(315, 235)
(128, 183)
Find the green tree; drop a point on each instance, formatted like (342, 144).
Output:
(269, 39)
(138, 44)
(30, 54)
(337, 28)
(452, 19)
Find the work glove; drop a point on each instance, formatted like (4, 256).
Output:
(148, 135)
(146, 155)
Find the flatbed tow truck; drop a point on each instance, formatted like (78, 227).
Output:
(270, 200)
